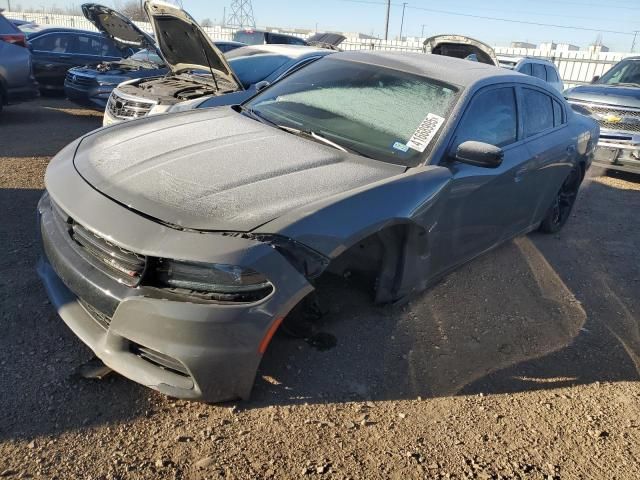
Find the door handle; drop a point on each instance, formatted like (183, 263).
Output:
(520, 173)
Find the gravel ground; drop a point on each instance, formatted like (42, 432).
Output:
(523, 364)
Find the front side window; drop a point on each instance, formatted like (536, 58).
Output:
(538, 111)
(88, 45)
(492, 117)
(376, 111)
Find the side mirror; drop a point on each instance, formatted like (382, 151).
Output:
(595, 79)
(261, 85)
(479, 154)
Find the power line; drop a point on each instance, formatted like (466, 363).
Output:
(497, 19)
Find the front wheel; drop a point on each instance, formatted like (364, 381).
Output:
(562, 206)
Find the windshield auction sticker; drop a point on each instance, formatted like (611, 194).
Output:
(425, 132)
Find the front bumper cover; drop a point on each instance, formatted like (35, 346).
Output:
(618, 150)
(217, 344)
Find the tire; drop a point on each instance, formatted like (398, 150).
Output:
(563, 203)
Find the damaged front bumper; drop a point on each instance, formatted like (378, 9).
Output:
(183, 348)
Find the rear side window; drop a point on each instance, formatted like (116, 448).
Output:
(552, 75)
(53, 42)
(539, 71)
(526, 69)
(491, 118)
(538, 114)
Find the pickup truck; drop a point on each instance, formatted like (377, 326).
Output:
(613, 100)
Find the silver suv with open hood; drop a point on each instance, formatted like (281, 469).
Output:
(197, 68)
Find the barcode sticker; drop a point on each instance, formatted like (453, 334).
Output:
(425, 132)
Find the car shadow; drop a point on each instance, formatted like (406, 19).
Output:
(540, 312)
(57, 121)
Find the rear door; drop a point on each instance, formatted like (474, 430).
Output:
(486, 205)
(551, 148)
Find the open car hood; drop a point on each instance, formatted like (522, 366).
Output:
(459, 46)
(120, 29)
(183, 44)
(326, 40)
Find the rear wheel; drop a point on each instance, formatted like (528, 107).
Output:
(562, 205)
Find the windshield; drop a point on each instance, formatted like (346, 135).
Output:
(378, 112)
(626, 72)
(147, 56)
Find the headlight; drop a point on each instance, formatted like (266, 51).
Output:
(157, 108)
(215, 281)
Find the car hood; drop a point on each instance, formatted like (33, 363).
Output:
(609, 94)
(183, 44)
(459, 46)
(217, 170)
(120, 29)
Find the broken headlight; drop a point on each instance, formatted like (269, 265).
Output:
(213, 281)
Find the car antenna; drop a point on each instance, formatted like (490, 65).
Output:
(204, 50)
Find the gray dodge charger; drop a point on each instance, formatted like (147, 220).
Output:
(176, 245)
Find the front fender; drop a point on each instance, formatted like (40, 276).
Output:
(331, 226)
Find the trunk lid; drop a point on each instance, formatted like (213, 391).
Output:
(217, 170)
(120, 29)
(184, 45)
(326, 40)
(460, 46)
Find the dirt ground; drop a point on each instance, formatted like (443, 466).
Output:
(523, 364)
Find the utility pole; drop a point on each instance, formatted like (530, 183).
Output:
(423, 25)
(9, 5)
(224, 17)
(635, 37)
(386, 28)
(404, 5)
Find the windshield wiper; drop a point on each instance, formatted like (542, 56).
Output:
(316, 136)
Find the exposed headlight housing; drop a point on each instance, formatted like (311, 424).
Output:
(212, 281)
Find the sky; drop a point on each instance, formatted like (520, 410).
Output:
(452, 16)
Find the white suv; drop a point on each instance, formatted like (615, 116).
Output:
(536, 67)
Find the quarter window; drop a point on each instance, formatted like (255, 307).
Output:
(491, 118)
(558, 114)
(538, 114)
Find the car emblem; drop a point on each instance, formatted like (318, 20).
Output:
(73, 78)
(611, 118)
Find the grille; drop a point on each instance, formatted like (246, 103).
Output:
(100, 318)
(614, 118)
(120, 264)
(127, 109)
(159, 359)
(80, 80)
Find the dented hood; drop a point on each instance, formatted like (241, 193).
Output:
(120, 29)
(460, 46)
(183, 44)
(217, 170)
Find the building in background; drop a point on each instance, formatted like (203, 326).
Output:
(523, 45)
(598, 48)
(566, 47)
(548, 46)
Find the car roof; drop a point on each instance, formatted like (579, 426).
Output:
(38, 30)
(291, 51)
(451, 70)
(519, 58)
